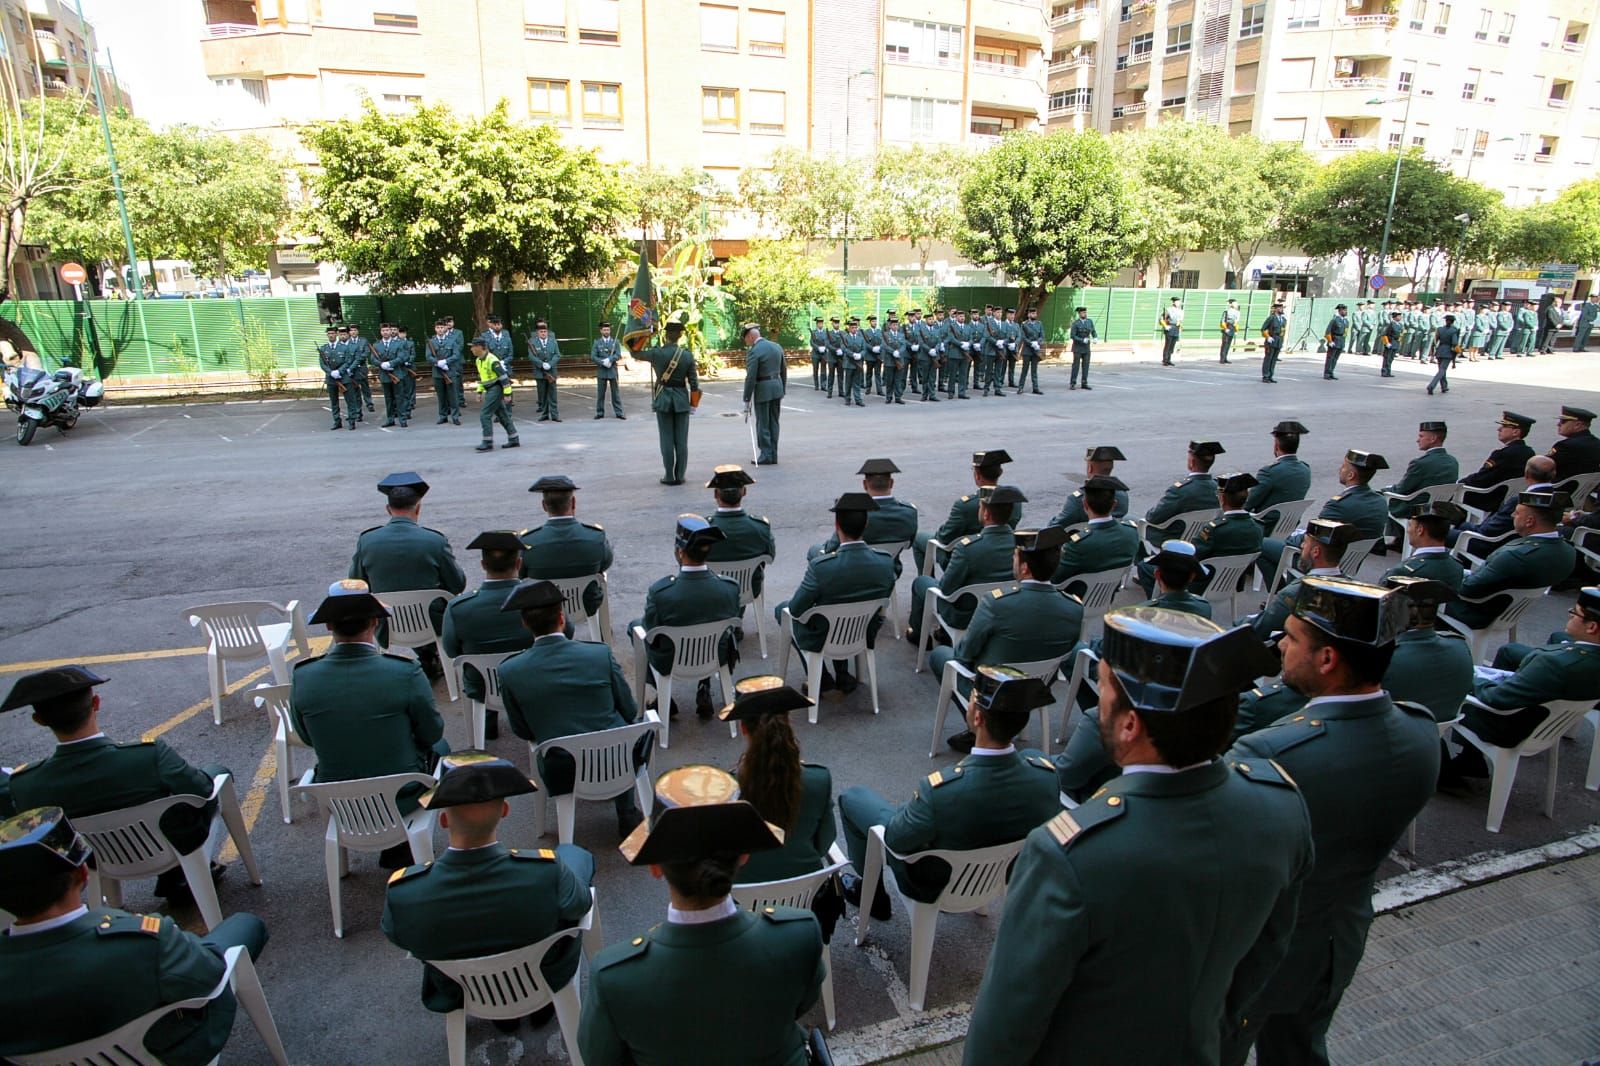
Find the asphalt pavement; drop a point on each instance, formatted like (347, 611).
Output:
(115, 528)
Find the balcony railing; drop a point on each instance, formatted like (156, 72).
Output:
(1064, 65)
(1358, 83)
(1559, 105)
(1004, 70)
(1544, 157)
(230, 29)
(544, 33)
(765, 48)
(1572, 47)
(1138, 108)
(983, 140)
(1073, 16)
(1139, 59)
(1362, 22)
(1070, 109)
(948, 62)
(1347, 144)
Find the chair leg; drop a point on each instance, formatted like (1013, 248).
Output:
(1044, 729)
(924, 923)
(285, 773)
(539, 800)
(872, 677)
(827, 988)
(448, 665)
(947, 686)
(477, 722)
(1411, 839)
(276, 657)
(568, 1010)
(813, 661)
(455, 1037)
(97, 889)
(197, 871)
(566, 815)
(233, 818)
(334, 859)
(759, 603)
(642, 788)
(593, 937)
(248, 991)
(219, 682)
(1591, 780)
(784, 641)
(870, 878)
(605, 619)
(1550, 780)
(926, 640)
(664, 709)
(1504, 769)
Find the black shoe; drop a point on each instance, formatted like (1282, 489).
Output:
(963, 741)
(1072, 386)
(882, 911)
(351, 426)
(337, 425)
(623, 417)
(902, 403)
(1038, 392)
(491, 725)
(442, 420)
(555, 418)
(371, 408)
(402, 423)
(486, 446)
(702, 701)
(512, 443)
(395, 858)
(845, 684)
(389, 423)
(627, 821)
(598, 417)
(455, 420)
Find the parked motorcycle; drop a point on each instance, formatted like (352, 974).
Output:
(42, 398)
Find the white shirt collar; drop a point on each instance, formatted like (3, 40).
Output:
(80, 740)
(843, 544)
(1435, 448)
(480, 847)
(1552, 533)
(726, 909)
(730, 510)
(1009, 749)
(888, 497)
(1035, 581)
(693, 569)
(1323, 571)
(1431, 549)
(562, 518)
(1352, 697)
(1160, 768)
(1240, 510)
(49, 923)
(1102, 521)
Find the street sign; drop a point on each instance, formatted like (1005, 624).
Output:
(73, 273)
(1557, 272)
(1378, 281)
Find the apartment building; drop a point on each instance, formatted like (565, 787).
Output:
(46, 41)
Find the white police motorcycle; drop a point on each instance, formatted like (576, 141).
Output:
(42, 398)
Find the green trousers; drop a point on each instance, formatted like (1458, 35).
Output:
(673, 428)
(494, 410)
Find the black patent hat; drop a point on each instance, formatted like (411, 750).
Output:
(43, 685)
(473, 776)
(348, 600)
(764, 694)
(697, 814)
(1005, 689)
(38, 843)
(531, 594)
(1351, 610)
(1168, 662)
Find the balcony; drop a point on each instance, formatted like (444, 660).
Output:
(1009, 19)
(1005, 70)
(1082, 25)
(1365, 36)
(56, 87)
(48, 46)
(1016, 90)
(1137, 108)
(1062, 66)
(1347, 144)
(982, 140)
(1574, 48)
(1076, 15)
(1364, 84)
(1070, 109)
(1557, 104)
(906, 59)
(231, 29)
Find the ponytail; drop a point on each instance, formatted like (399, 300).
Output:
(769, 772)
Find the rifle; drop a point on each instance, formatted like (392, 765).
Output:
(338, 381)
(377, 364)
(433, 350)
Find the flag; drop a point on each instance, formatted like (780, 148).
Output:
(641, 308)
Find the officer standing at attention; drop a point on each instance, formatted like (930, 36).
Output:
(394, 367)
(406, 362)
(675, 379)
(1011, 335)
(497, 339)
(1196, 492)
(766, 380)
(963, 518)
(1104, 542)
(872, 337)
(445, 356)
(1171, 325)
(1549, 326)
(1503, 465)
(74, 972)
(1272, 343)
(494, 382)
(1081, 332)
(1389, 342)
(1434, 466)
(604, 353)
(1334, 336)
(1428, 530)
(438, 910)
(1584, 325)
(958, 356)
(894, 360)
(892, 522)
(1577, 450)
(1031, 338)
(922, 342)
(1366, 322)
(744, 536)
(1284, 480)
(835, 357)
(991, 797)
(1336, 649)
(714, 982)
(360, 353)
(474, 624)
(819, 355)
(1099, 461)
(1524, 329)
(1230, 329)
(1500, 331)
(855, 353)
(331, 357)
(1185, 858)
(563, 546)
(458, 342)
(975, 559)
(941, 342)
(544, 351)
(692, 596)
(978, 336)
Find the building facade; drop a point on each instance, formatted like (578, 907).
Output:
(47, 43)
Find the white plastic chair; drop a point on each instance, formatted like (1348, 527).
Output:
(1483, 641)
(1099, 591)
(893, 549)
(363, 816)
(411, 627)
(1579, 487)
(848, 625)
(744, 572)
(285, 741)
(1223, 588)
(1085, 671)
(1192, 522)
(1474, 550)
(931, 617)
(1590, 552)
(1288, 520)
(1591, 780)
(930, 556)
(1444, 730)
(1446, 493)
(488, 666)
(1355, 553)
(977, 878)
(124, 1046)
(572, 590)
(1563, 714)
(510, 985)
(604, 770)
(798, 892)
(1046, 670)
(235, 632)
(129, 845)
(694, 657)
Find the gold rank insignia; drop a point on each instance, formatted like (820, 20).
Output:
(151, 924)
(1063, 827)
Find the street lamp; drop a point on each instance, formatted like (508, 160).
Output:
(134, 286)
(1394, 185)
(1455, 256)
(848, 83)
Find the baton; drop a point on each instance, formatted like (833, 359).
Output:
(755, 450)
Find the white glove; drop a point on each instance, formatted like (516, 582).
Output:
(545, 365)
(915, 347)
(442, 365)
(386, 366)
(966, 346)
(877, 348)
(336, 375)
(607, 364)
(1035, 345)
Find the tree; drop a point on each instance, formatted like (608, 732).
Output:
(669, 203)
(1273, 174)
(775, 281)
(1186, 186)
(1575, 215)
(1047, 208)
(805, 198)
(913, 197)
(427, 198)
(80, 220)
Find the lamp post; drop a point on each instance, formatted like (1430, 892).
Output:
(1394, 185)
(135, 288)
(848, 83)
(1455, 256)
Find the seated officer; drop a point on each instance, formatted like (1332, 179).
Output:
(73, 972)
(474, 624)
(1286, 479)
(1503, 465)
(1536, 558)
(1536, 475)
(563, 546)
(1106, 542)
(1233, 532)
(974, 559)
(1027, 623)
(1434, 466)
(744, 536)
(853, 573)
(1321, 548)
(88, 773)
(1099, 461)
(1195, 492)
(894, 520)
(1174, 888)
(993, 796)
(1525, 678)
(713, 983)
(963, 519)
(692, 596)
(1358, 505)
(480, 897)
(561, 687)
(1429, 667)
(1176, 568)
(365, 713)
(1428, 528)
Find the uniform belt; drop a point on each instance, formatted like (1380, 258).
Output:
(769, 377)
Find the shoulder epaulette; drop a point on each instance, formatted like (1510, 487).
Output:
(965, 499)
(1416, 710)
(406, 872)
(942, 777)
(1337, 498)
(1041, 762)
(785, 914)
(435, 532)
(298, 663)
(134, 744)
(763, 519)
(964, 541)
(1077, 535)
(596, 526)
(402, 658)
(1177, 484)
(373, 529)
(1263, 771)
(621, 952)
(122, 924)
(534, 855)
(1282, 736)
(1068, 826)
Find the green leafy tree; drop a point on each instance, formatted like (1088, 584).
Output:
(671, 204)
(806, 198)
(428, 198)
(79, 220)
(686, 290)
(1272, 173)
(914, 197)
(1047, 208)
(1572, 231)
(775, 281)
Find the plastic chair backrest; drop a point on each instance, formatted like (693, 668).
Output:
(275, 698)
(1579, 486)
(848, 624)
(234, 629)
(796, 891)
(572, 590)
(488, 666)
(1289, 516)
(743, 571)
(129, 843)
(1562, 714)
(1192, 521)
(409, 623)
(507, 985)
(604, 759)
(1099, 588)
(1225, 573)
(1355, 553)
(364, 812)
(976, 876)
(1521, 601)
(891, 548)
(694, 648)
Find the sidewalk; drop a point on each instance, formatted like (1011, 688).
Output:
(1507, 973)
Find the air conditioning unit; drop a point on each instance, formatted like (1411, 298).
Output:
(1344, 68)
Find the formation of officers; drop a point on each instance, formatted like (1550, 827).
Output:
(1209, 822)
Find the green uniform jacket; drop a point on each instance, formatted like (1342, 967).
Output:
(1433, 669)
(689, 598)
(1394, 752)
(855, 349)
(474, 624)
(1361, 506)
(976, 560)
(466, 904)
(1437, 564)
(671, 391)
(566, 547)
(498, 341)
(366, 714)
(806, 843)
(604, 351)
(1285, 480)
(1264, 705)
(1566, 671)
(1196, 492)
(1032, 337)
(1433, 467)
(764, 372)
(1182, 600)
(748, 537)
(1105, 544)
(99, 775)
(447, 348)
(853, 573)
(873, 338)
(401, 556)
(1072, 512)
(104, 969)
(1025, 623)
(1520, 563)
(544, 351)
(1230, 533)
(722, 992)
(1176, 891)
(963, 520)
(1272, 615)
(561, 687)
(894, 521)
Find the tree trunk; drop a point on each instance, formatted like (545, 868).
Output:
(482, 300)
(1028, 297)
(10, 240)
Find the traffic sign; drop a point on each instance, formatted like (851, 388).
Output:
(1378, 281)
(73, 273)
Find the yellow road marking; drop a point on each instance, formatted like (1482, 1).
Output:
(253, 801)
(88, 660)
(318, 646)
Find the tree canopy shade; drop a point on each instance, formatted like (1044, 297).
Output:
(775, 281)
(805, 198)
(669, 203)
(427, 198)
(914, 197)
(1573, 227)
(1047, 208)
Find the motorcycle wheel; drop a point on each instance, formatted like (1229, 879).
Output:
(26, 428)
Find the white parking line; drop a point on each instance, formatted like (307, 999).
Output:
(151, 426)
(228, 439)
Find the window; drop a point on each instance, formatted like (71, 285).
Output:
(598, 22)
(1244, 78)
(544, 20)
(719, 109)
(1489, 91)
(1296, 74)
(1143, 45)
(1184, 279)
(919, 118)
(766, 111)
(1304, 14)
(1289, 129)
(549, 100)
(1507, 22)
(996, 57)
(1480, 144)
(396, 102)
(1122, 61)
(1429, 81)
(1127, 13)
(1459, 146)
(1419, 14)
(926, 43)
(1441, 19)
(1469, 88)
(1552, 32)
(1178, 38)
(1175, 101)
(1394, 140)
(719, 28)
(602, 103)
(1588, 149)
(1406, 78)
(1071, 100)
(764, 33)
(1419, 139)
(1547, 150)
(1524, 140)
(1485, 20)
(393, 20)
(1252, 21)
(252, 89)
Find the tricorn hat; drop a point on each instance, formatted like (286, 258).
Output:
(1168, 662)
(473, 776)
